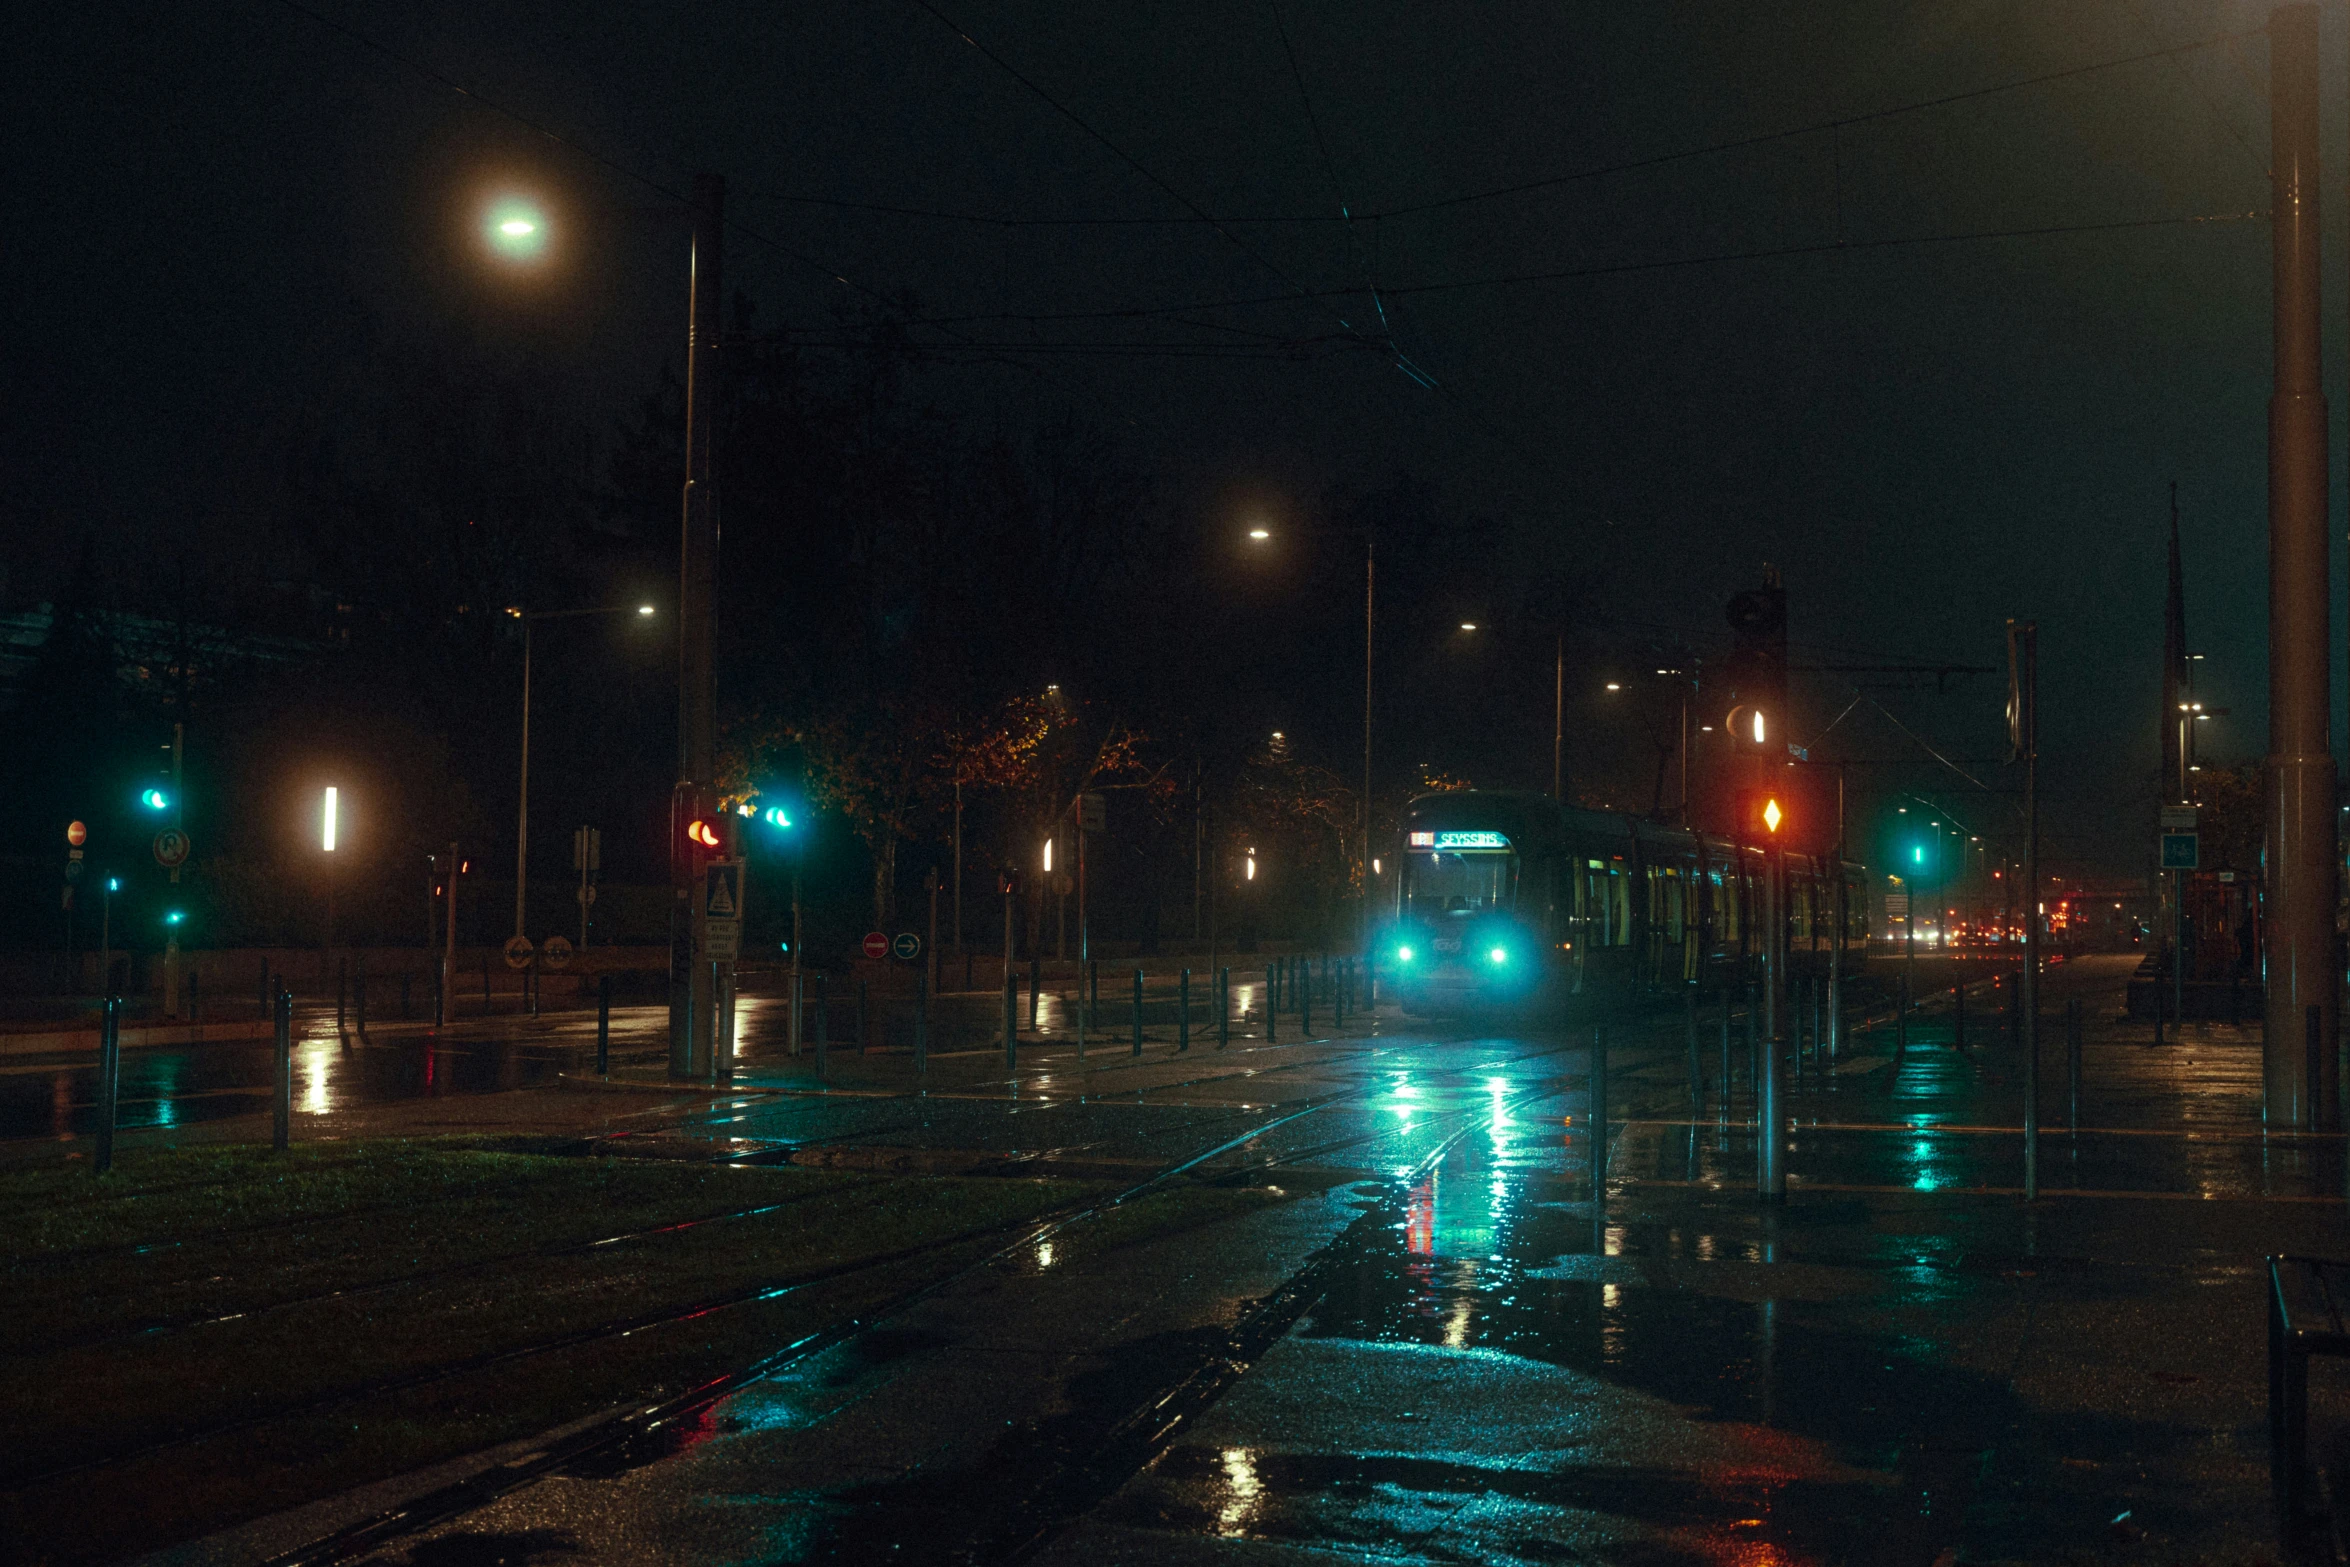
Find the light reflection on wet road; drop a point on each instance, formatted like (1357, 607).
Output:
(1902, 1363)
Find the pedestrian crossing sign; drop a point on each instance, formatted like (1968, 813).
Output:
(722, 890)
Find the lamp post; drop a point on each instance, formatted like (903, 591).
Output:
(522, 805)
(517, 232)
(329, 834)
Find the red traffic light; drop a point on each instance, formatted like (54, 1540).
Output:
(701, 832)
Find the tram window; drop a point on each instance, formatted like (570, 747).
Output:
(1460, 883)
(1800, 913)
(1619, 905)
(1665, 902)
(1726, 891)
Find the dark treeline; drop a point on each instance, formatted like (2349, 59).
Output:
(926, 597)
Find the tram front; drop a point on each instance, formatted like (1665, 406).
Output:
(1468, 929)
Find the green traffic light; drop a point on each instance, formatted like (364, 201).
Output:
(775, 816)
(155, 800)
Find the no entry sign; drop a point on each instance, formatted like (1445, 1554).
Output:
(876, 945)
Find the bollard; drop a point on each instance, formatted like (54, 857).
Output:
(1223, 1007)
(862, 1036)
(1183, 1011)
(604, 1025)
(109, 1081)
(281, 1130)
(922, 1021)
(2072, 1060)
(823, 1023)
(1958, 1015)
(2313, 1039)
(1696, 1068)
(1138, 1012)
(1598, 1115)
(1011, 1022)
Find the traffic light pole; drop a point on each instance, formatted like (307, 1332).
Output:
(171, 933)
(692, 981)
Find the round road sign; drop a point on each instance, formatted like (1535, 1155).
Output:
(73, 871)
(171, 848)
(76, 834)
(907, 947)
(876, 945)
(556, 953)
(518, 950)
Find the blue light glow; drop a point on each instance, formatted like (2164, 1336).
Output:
(1403, 954)
(1499, 955)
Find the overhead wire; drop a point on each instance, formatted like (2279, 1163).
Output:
(1661, 264)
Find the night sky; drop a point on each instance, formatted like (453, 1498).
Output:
(208, 207)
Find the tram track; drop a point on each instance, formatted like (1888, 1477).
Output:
(635, 1428)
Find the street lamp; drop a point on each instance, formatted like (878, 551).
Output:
(515, 228)
(522, 808)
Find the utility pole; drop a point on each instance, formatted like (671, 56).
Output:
(2301, 804)
(2028, 993)
(1370, 625)
(692, 982)
(1558, 725)
(446, 1012)
(171, 933)
(522, 806)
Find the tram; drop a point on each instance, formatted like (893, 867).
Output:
(1515, 902)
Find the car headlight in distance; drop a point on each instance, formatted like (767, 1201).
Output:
(1403, 954)
(1499, 955)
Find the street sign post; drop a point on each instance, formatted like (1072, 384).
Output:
(171, 848)
(518, 951)
(876, 945)
(556, 953)
(2181, 851)
(722, 910)
(907, 947)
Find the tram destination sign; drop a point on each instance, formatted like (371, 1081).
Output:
(1470, 840)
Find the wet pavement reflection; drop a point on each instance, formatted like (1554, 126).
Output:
(178, 1086)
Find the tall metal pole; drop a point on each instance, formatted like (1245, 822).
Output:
(445, 1009)
(1770, 1123)
(171, 933)
(2028, 993)
(522, 809)
(692, 989)
(1370, 622)
(2301, 807)
(1558, 722)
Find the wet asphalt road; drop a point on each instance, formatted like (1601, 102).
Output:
(1441, 1350)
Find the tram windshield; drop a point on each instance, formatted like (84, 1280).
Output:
(1437, 884)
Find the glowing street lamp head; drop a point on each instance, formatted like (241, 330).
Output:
(1758, 726)
(516, 229)
(1260, 534)
(326, 835)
